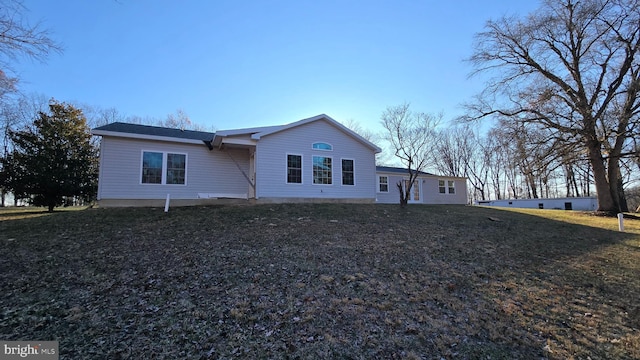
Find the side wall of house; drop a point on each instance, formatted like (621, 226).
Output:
(206, 171)
(271, 164)
(429, 189)
(392, 195)
(432, 195)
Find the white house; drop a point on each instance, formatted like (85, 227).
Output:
(315, 159)
(427, 188)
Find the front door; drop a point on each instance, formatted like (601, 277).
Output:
(415, 191)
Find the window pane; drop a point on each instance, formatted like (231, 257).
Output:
(384, 184)
(441, 187)
(151, 168)
(322, 146)
(322, 170)
(176, 166)
(294, 169)
(452, 188)
(347, 172)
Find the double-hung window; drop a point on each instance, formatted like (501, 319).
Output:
(348, 177)
(163, 168)
(176, 168)
(322, 170)
(294, 169)
(383, 184)
(446, 186)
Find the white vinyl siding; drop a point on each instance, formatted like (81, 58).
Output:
(206, 171)
(429, 189)
(273, 148)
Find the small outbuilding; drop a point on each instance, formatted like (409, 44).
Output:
(569, 203)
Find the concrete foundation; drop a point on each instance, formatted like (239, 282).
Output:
(204, 202)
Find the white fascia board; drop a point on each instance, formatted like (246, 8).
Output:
(383, 172)
(145, 137)
(247, 131)
(235, 141)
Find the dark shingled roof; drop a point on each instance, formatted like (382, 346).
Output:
(156, 131)
(397, 170)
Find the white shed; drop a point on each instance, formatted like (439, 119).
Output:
(570, 203)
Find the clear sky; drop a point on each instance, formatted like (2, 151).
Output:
(234, 64)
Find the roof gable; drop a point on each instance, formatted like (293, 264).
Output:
(321, 117)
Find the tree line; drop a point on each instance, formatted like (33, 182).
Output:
(562, 98)
(563, 92)
(48, 156)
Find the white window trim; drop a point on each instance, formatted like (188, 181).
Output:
(332, 170)
(378, 188)
(164, 167)
(354, 171)
(446, 187)
(286, 169)
(321, 142)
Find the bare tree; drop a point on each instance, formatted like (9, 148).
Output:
(99, 116)
(460, 152)
(410, 135)
(179, 120)
(19, 38)
(450, 147)
(15, 114)
(564, 67)
(358, 129)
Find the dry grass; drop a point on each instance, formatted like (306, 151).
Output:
(322, 281)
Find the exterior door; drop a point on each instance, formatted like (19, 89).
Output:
(415, 191)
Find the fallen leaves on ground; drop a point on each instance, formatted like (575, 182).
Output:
(319, 281)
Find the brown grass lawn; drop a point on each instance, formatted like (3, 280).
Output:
(321, 282)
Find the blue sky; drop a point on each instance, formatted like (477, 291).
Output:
(234, 64)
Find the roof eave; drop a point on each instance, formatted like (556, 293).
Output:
(145, 137)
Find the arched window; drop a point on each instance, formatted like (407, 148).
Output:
(322, 146)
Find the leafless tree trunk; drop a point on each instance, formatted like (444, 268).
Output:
(563, 67)
(410, 135)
